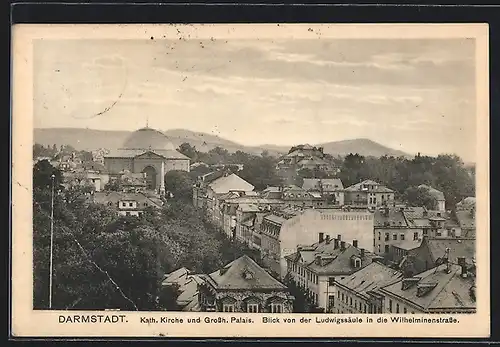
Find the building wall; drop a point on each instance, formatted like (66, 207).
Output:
(305, 228)
(115, 165)
(381, 244)
(176, 164)
(348, 302)
(240, 300)
(393, 305)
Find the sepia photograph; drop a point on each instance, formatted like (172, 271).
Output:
(188, 171)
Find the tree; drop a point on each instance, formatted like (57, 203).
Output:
(415, 196)
(42, 175)
(113, 185)
(188, 150)
(180, 184)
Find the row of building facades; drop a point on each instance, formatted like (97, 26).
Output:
(356, 252)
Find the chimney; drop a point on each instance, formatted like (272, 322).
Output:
(321, 237)
(355, 243)
(362, 252)
(328, 239)
(461, 262)
(336, 243)
(342, 245)
(317, 259)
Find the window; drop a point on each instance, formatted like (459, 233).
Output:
(386, 248)
(379, 235)
(394, 237)
(425, 231)
(415, 236)
(390, 305)
(387, 236)
(402, 237)
(127, 213)
(331, 281)
(228, 308)
(378, 248)
(276, 308)
(253, 308)
(405, 310)
(338, 294)
(365, 309)
(130, 204)
(343, 299)
(350, 300)
(357, 263)
(331, 301)
(397, 308)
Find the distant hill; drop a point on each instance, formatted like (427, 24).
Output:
(90, 139)
(364, 147)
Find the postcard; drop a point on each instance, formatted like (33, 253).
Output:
(250, 180)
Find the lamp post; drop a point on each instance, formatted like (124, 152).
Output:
(51, 239)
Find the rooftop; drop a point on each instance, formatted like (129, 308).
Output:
(437, 289)
(244, 274)
(229, 183)
(437, 194)
(371, 278)
(115, 197)
(326, 184)
(373, 187)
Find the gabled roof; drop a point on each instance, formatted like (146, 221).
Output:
(407, 245)
(371, 278)
(444, 290)
(378, 187)
(115, 197)
(229, 183)
(244, 274)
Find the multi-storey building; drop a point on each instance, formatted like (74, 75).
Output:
(283, 230)
(127, 204)
(316, 268)
(404, 228)
(446, 289)
(360, 292)
(330, 189)
(370, 194)
(465, 213)
(243, 286)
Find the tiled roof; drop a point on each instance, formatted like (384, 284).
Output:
(451, 291)
(337, 260)
(459, 247)
(312, 161)
(244, 274)
(230, 183)
(329, 184)
(115, 197)
(394, 218)
(371, 278)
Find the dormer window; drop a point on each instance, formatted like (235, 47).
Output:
(357, 263)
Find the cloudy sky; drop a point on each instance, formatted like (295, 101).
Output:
(412, 95)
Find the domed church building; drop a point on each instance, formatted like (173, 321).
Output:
(147, 151)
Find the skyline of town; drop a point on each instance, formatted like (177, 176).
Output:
(404, 94)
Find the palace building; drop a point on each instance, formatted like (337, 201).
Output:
(150, 152)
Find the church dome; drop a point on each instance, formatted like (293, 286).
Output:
(148, 138)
